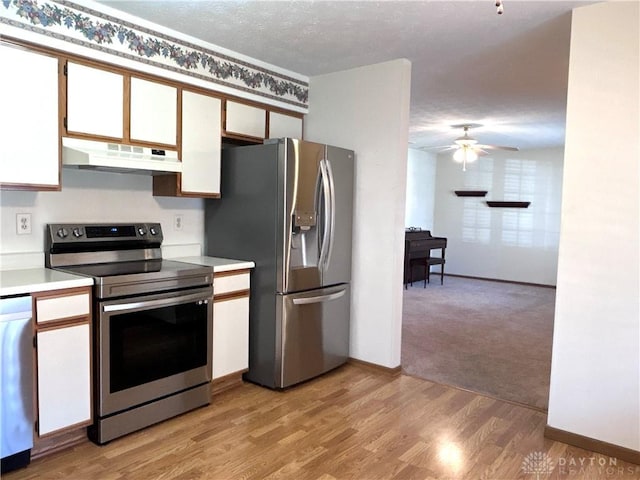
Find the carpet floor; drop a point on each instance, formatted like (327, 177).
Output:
(489, 337)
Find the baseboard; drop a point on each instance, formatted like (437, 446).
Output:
(227, 382)
(43, 447)
(587, 443)
(500, 280)
(375, 367)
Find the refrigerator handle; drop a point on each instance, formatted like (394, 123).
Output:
(332, 212)
(324, 247)
(319, 298)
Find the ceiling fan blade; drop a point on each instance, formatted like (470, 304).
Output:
(443, 148)
(498, 147)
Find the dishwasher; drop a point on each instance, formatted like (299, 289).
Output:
(16, 382)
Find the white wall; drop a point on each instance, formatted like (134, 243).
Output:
(421, 184)
(595, 372)
(89, 196)
(501, 243)
(367, 109)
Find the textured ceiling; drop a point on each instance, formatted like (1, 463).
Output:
(469, 65)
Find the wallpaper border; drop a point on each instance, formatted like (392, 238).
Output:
(80, 25)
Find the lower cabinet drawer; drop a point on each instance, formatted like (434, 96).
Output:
(62, 306)
(230, 283)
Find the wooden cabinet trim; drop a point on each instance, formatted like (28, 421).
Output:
(245, 139)
(223, 297)
(30, 186)
(63, 323)
(62, 112)
(61, 293)
(126, 108)
(230, 273)
(68, 429)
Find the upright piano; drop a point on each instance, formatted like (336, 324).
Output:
(418, 245)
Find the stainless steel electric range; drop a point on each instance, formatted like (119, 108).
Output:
(152, 325)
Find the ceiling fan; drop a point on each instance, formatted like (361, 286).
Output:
(467, 149)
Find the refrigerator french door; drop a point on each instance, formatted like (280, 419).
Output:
(287, 205)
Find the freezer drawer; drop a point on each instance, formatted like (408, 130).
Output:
(314, 333)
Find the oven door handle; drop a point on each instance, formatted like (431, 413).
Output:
(196, 297)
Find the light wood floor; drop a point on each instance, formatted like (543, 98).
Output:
(353, 423)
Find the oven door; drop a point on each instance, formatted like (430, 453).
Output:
(152, 346)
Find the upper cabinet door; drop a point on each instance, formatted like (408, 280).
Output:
(201, 125)
(29, 120)
(154, 108)
(281, 125)
(246, 120)
(94, 101)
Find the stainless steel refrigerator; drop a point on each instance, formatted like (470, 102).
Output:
(287, 205)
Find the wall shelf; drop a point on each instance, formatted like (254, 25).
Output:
(495, 203)
(470, 193)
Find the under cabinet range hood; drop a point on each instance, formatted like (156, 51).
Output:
(114, 157)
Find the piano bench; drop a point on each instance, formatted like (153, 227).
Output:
(427, 262)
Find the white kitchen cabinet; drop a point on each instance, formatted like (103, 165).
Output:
(230, 324)
(246, 120)
(230, 336)
(201, 125)
(64, 380)
(95, 99)
(281, 125)
(154, 108)
(63, 359)
(29, 119)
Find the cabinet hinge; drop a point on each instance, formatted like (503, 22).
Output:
(64, 70)
(35, 341)
(35, 426)
(65, 122)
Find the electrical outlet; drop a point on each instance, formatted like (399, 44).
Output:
(23, 224)
(178, 222)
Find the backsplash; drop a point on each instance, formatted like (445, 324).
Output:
(95, 197)
(74, 25)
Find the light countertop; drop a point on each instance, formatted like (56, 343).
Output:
(218, 264)
(26, 281)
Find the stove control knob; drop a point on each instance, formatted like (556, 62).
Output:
(77, 232)
(153, 231)
(141, 231)
(62, 233)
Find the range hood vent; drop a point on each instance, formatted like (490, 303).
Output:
(113, 157)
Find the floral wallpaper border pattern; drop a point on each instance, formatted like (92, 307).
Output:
(81, 25)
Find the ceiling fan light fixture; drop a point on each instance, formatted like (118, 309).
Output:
(466, 141)
(464, 155)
